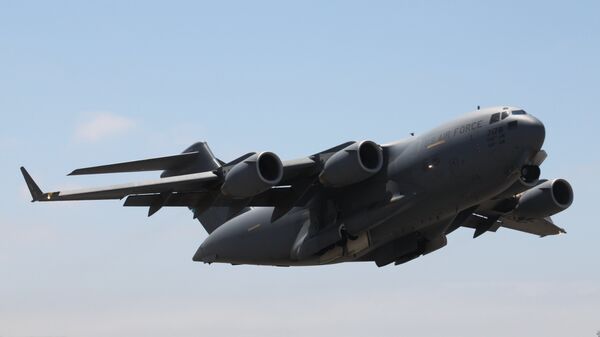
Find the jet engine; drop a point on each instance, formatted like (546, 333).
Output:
(544, 199)
(517, 187)
(352, 164)
(252, 176)
(530, 174)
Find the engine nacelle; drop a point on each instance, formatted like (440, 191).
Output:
(544, 199)
(353, 164)
(530, 174)
(253, 176)
(517, 187)
(529, 178)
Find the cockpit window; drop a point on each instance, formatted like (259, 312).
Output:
(504, 114)
(495, 118)
(519, 112)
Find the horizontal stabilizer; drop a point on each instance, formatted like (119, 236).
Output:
(153, 164)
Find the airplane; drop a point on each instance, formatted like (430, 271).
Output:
(358, 201)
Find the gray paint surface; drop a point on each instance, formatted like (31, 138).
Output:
(389, 203)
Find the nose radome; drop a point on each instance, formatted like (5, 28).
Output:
(534, 130)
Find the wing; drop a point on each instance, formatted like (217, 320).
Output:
(184, 183)
(194, 189)
(491, 216)
(194, 178)
(541, 227)
(201, 183)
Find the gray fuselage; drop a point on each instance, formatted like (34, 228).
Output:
(425, 182)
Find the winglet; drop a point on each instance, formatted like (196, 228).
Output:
(34, 189)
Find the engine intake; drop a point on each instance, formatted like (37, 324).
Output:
(253, 176)
(353, 164)
(544, 200)
(530, 173)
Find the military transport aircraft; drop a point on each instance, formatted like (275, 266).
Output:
(358, 201)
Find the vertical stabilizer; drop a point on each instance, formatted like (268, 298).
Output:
(204, 161)
(209, 217)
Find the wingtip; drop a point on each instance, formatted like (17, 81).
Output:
(34, 189)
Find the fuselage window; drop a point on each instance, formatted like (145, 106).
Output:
(504, 114)
(519, 112)
(495, 118)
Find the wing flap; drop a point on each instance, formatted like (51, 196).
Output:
(174, 200)
(183, 183)
(490, 222)
(271, 198)
(541, 227)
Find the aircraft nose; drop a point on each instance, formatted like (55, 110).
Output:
(533, 130)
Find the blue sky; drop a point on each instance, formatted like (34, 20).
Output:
(84, 83)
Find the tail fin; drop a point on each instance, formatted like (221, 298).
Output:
(205, 160)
